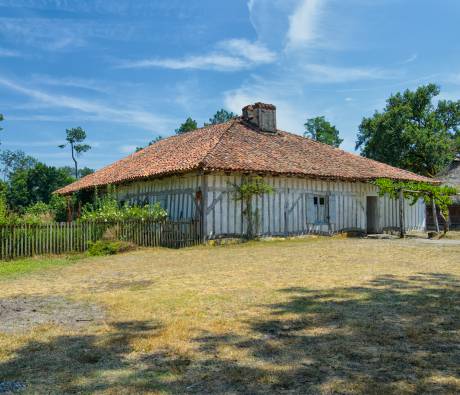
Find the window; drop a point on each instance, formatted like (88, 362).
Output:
(319, 203)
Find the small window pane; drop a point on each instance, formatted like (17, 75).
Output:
(315, 201)
(321, 201)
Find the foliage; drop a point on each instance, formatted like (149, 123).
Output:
(246, 191)
(28, 186)
(220, 116)
(81, 172)
(189, 125)
(412, 133)
(85, 171)
(1, 119)
(12, 161)
(151, 142)
(3, 208)
(75, 138)
(109, 247)
(107, 209)
(323, 131)
(416, 190)
(58, 206)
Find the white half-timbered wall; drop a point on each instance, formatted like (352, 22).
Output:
(176, 194)
(288, 210)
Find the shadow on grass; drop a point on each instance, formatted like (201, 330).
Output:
(391, 335)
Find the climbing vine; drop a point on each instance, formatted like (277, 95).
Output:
(440, 195)
(245, 192)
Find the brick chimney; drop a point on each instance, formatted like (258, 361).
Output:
(262, 116)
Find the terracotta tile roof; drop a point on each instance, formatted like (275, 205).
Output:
(236, 146)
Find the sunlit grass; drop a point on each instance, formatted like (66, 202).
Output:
(317, 315)
(16, 268)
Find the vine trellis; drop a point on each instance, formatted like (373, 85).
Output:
(434, 195)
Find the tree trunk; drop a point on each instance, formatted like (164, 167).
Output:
(445, 222)
(435, 215)
(75, 161)
(250, 231)
(402, 224)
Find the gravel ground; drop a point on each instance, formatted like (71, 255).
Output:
(21, 313)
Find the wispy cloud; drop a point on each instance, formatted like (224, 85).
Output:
(8, 53)
(89, 84)
(254, 52)
(333, 74)
(104, 112)
(303, 23)
(54, 34)
(230, 55)
(410, 59)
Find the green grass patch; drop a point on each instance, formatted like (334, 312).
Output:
(16, 268)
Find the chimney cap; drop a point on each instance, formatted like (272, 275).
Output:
(265, 106)
(261, 115)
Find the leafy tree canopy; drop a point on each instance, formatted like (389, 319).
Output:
(319, 129)
(15, 160)
(35, 184)
(75, 138)
(412, 133)
(189, 125)
(220, 116)
(1, 119)
(81, 172)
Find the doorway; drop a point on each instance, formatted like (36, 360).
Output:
(372, 214)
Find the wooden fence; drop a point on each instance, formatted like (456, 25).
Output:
(57, 238)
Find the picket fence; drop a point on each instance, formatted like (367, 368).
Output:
(58, 238)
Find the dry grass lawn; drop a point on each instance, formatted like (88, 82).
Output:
(319, 315)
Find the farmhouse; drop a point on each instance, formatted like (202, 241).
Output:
(317, 188)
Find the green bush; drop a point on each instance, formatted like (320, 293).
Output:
(109, 247)
(107, 209)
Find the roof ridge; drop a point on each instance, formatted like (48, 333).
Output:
(352, 154)
(202, 162)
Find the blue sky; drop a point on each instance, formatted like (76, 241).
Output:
(127, 71)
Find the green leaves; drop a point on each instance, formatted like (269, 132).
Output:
(255, 186)
(75, 135)
(107, 209)
(75, 138)
(411, 133)
(323, 131)
(189, 125)
(416, 190)
(79, 148)
(221, 116)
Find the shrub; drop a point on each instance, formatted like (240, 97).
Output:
(109, 247)
(107, 209)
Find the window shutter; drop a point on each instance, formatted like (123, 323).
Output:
(332, 209)
(311, 210)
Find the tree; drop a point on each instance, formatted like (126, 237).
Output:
(412, 133)
(36, 184)
(14, 160)
(81, 172)
(75, 138)
(1, 119)
(155, 140)
(323, 131)
(220, 116)
(189, 125)
(436, 195)
(245, 192)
